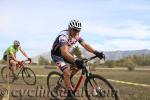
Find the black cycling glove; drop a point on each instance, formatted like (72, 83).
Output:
(30, 60)
(100, 55)
(79, 63)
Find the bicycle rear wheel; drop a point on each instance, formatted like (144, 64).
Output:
(7, 74)
(56, 86)
(98, 88)
(28, 76)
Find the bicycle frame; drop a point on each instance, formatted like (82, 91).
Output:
(84, 71)
(20, 71)
(90, 80)
(21, 67)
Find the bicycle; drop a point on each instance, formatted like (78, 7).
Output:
(28, 74)
(93, 90)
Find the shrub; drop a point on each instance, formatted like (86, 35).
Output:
(43, 61)
(129, 64)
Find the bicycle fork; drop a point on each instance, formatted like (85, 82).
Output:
(96, 89)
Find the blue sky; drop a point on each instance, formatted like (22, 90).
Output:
(107, 24)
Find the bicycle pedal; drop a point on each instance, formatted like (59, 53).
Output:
(15, 78)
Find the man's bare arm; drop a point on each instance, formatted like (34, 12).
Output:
(87, 47)
(23, 52)
(65, 53)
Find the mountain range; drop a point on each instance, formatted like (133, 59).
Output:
(110, 55)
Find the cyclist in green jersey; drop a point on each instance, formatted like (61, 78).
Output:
(10, 53)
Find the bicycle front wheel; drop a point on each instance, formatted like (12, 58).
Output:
(56, 86)
(28, 76)
(7, 74)
(98, 88)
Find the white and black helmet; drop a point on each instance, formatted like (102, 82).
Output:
(75, 24)
(16, 42)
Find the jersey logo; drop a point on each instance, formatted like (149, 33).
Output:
(60, 64)
(72, 41)
(62, 39)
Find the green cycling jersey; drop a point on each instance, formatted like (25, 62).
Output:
(10, 49)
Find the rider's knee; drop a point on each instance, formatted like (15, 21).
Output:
(13, 63)
(67, 72)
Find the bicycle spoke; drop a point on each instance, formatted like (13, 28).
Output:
(56, 85)
(29, 76)
(98, 88)
(7, 74)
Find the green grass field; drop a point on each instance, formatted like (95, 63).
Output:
(126, 92)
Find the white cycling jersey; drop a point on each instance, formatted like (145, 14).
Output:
(64, 39)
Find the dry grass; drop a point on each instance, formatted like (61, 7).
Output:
(126, 92)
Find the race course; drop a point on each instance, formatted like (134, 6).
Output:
(131, 85)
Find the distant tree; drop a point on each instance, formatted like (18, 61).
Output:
(33, 63)
(140, 60)
(43, 61)
(53, 63)
(77, 52)
(136, 59)
(2, 62)
(146, 60)
(111, 63)
(128, 62)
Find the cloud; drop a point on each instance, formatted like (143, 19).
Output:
(128, 44)
(130, 29)
(119, 24)
(121, 44)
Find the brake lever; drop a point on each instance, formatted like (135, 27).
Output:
(85, 60)
(27, 62)
(104, 58)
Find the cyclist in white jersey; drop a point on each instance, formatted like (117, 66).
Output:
(61, 55)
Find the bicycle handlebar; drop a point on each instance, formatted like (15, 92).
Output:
(91, 58)
(24, 62)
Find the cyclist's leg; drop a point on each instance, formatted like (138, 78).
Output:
(13, 65)
(74, 71)
(67, 74)
(5, 58)
(73, 68)
(65, 68)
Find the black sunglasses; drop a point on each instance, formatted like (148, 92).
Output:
(75, 30)
(17, 45)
